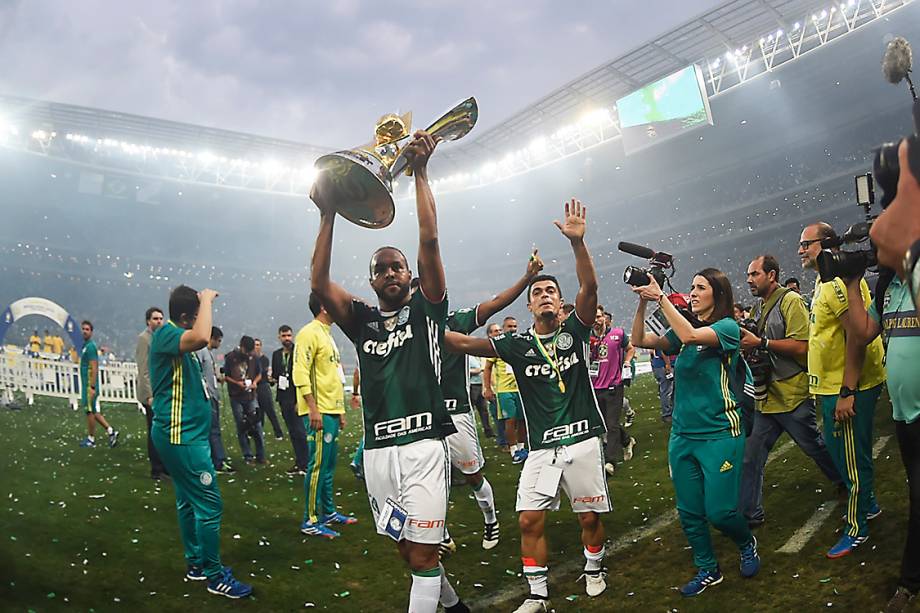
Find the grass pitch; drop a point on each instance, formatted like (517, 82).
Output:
(86, 529)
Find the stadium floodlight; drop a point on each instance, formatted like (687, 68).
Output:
(537, 146)
(308, 174)
(796, 26)
(823, 14)
(779, 33)
(489, 168)
(597, 117)
(39, 135)
(206, 157)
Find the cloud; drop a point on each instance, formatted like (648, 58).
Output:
(320, 74)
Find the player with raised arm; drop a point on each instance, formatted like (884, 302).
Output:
(564, 426)
(465, 452)
(406, 460)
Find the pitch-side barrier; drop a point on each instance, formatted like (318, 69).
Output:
(61, 379)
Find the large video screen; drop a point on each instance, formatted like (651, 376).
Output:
(666, 108)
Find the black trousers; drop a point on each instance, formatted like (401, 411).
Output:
(610, 402)
(296, 431)
(156, 465)
(267, 408)
(909, 442)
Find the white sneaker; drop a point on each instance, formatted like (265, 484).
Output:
(533, 605)
(595, 582)
(628, 450)
(490, 536)
(609, 468)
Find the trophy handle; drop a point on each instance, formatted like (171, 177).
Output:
(452, 125)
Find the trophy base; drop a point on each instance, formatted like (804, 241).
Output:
(358, 185)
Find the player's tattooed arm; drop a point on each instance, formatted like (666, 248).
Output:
(489, 308)
(573, 228)
(430, 267)
(469, 345)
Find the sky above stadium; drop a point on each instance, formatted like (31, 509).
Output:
(314, 72)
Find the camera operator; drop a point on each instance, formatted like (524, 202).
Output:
(706, 447)
(896, 232)
(901, 338)
(846, 379)
(781, 337)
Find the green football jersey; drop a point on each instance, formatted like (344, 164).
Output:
(455, 367)
(554, 414)
(399, 356)
(704, 406)
(89, 354)
(181, 409)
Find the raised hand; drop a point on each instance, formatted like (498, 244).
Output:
(573, 227)
(419, 150)
(207, 294)
(534, 265)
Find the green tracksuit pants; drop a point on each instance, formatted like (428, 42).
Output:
(850, 445)
(198, 500)
(322, 449)
(707, 482)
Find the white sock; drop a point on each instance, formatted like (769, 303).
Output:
(486, 500)
(448, 596)
(90, 438)
(109, 430)
(424, 594)
(536, 578)
(446, 534)
(593, 561)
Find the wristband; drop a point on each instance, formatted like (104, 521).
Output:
(764, 342)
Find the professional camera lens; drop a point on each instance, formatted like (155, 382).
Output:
(886, 170)
(844, 264)
(635, 276)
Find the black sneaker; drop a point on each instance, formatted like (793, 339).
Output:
(113, 438)
(293, 470)
(225, 469)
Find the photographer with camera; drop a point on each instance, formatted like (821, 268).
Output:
(242, 374)
(900, 331)
(896, 232)
(846, 379)
(706, 447)
(779, 339)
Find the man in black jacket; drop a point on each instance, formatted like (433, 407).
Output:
(282, 377)
(264, 393)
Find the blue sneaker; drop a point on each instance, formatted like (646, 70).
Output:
(318, 530)
(846, 545)
(227, 586)
(750, 561)
(358, 471)
(519, 456)
(193, 573)
(701, 581)
(338, 518)
(87, 443)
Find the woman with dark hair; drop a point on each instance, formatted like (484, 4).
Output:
(706, 448)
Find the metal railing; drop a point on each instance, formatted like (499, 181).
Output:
(33, 376)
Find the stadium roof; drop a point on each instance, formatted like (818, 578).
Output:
(728, 27)
(40, 114)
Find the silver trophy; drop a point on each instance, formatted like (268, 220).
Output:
(358, 183)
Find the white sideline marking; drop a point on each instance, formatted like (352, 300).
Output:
(801, 536)
(630, 538)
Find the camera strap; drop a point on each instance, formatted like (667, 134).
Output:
(767, 307)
